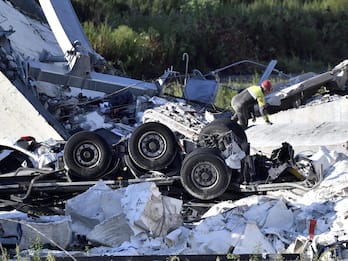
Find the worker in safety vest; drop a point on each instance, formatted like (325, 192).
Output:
(243, 103)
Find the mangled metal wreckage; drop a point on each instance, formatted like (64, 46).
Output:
(210, 165)
(175, 146)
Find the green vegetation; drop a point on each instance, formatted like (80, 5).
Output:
(147, 37)
(34, 255)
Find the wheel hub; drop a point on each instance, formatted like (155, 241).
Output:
(152, 146)
(87, 155)
(204, 175)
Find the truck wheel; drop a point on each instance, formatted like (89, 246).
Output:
(152, 146)
(204, 174)
(87, 155)
(134, 169)
(223, 125)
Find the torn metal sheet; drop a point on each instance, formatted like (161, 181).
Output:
(298, 89)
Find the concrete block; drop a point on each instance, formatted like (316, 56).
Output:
(144, 208)
(147, 211)
(172, 214)
(279, 217)
(10, 232)
(322, 160)
(92, 207)
(111, 232)
(53, 232)
(253, 241)
(214, 242)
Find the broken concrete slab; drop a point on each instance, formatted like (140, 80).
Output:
(173, 217)
(299, 246)
(110, 217)
(279, 217)
(253, 241)
(144, 210)
(216, 234)
(214, 242)
(257, 213)
(323, 159)
(111, 232)
(177, 238)
(147, 211)
(13, 103)
(93, 207)
(25, 231)
(31, 30)
(335, 108)
(55, 232)
(10, 230)
(306, 129)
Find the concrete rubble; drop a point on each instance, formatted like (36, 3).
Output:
(23, 230)
(138, 220)
(129, 212)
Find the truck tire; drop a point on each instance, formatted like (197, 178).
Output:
(87, 155)
(204, 174)
(152, 146)
(135, 170)
(223, 125)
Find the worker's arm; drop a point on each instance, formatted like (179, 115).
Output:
(262, 107)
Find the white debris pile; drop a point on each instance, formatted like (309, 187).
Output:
(110, 217)
(281, 222)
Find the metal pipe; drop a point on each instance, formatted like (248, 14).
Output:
(186, 56)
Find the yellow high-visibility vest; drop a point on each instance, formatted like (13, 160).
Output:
(258, 95)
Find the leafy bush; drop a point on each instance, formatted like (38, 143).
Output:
(124, 46)
(149, 36)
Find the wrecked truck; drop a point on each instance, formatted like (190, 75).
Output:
(203, 159)
(40, 176)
